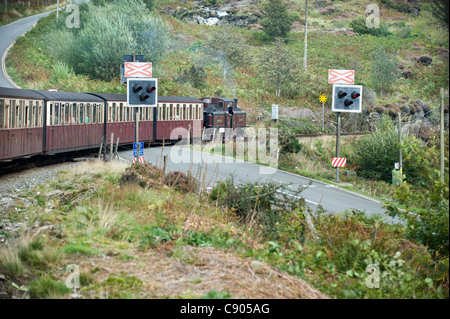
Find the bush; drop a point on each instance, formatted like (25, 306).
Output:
(265, 205)
(384, 71)
(108, 32)
(359, 26)
(426, 206)
(47, 288)
(375, 154)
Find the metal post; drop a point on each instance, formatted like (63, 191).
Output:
(136, 122)
(338, 135)
(306, 36)
(400, 155)
(442, 135)
(57, 9)
(323, 117)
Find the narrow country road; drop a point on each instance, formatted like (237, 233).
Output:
(8, 34)
(332, 198)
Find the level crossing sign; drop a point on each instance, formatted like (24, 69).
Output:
(341, 76)
(138, 69)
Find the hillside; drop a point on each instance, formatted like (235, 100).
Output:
(420, 46)
(150, 238)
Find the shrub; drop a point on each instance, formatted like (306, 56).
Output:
(384, 71)
(277, 21)
(376, 153)
(359, 26)
(47, 288)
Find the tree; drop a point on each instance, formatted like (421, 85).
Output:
(384, 71)
(229, 47)
(276, 22)
(278, 67)
(110, 31)
(440, 9)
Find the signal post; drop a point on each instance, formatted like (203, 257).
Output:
(142, 91)
(346, 97)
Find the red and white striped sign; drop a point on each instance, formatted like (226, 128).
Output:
(338, 161)
(138, 70)
(141, 159)
(341, 76)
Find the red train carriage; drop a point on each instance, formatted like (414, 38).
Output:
(21, 123)
(176, 115)
(72, 121)
(169, 121)
(50, 122)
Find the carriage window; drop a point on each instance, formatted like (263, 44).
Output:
(177, 112)
(65, 114)
(120, 112)
(55, 113)
(94, 113)
(32, 114)
(26, 118)
(2, 114)
(113, 115)
(36, 114)
(74, 114)
(19, 113)
(81, 113)
(200, 109)
(88, 115)
(221, 104)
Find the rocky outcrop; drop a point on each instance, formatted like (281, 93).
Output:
(235, 14)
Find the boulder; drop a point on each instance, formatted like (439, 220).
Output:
(328, 10)
(425, 60)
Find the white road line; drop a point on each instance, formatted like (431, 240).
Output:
(298, 197)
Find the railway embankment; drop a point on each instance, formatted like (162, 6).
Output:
(137, 232)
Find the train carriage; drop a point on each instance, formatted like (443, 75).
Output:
(72, 121)
(49, 122)
(21, 123)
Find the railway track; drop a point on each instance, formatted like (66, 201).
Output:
(16, 166)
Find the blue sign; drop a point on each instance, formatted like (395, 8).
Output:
(141, 149)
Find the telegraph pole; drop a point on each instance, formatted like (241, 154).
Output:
(338, 136)
(400, 155)
(442, 135)
(306, 36)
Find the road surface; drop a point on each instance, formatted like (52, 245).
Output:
(8, 34)
(333, 199)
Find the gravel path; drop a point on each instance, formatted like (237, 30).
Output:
(16, 182)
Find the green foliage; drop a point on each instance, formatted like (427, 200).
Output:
(81, 248)
(109, 32)
(266, 205)
(360, 26)
(279, 68)
(384, 71)
(46, 287)
(150, 4)
(288, 143)
(425, 207)
(157, 235)
(217, 295)
(375, 154)
(277, 21)
(428, 27)
(196, 76)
